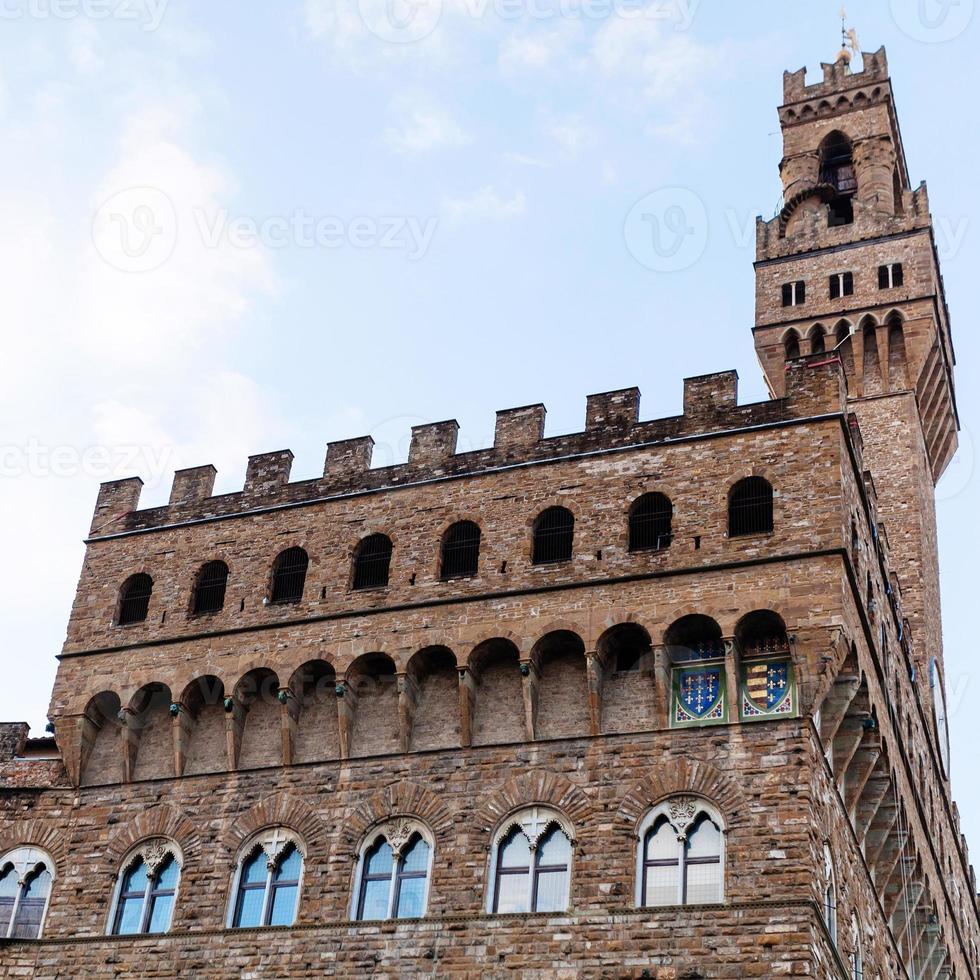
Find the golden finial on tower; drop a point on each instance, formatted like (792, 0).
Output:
(849, 40)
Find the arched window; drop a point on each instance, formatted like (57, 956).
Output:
(651, 519)
(554, 533)
(267, 881)
(829, 893)
(837, 170)
(792, 345)
(531, 864)
(372, 562)
(26, 876)
(750, 508)
(818, 340)
(681, 857)
(461, 551)
(289, 576)
(134, 599)
(147, 890)
(209, 590)
(392, 879)
(857, 950)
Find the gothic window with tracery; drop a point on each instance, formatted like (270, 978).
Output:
(393, 870)
(26, 876)
(681, 855)
(267, 881)
(531, 862)
(147, 890)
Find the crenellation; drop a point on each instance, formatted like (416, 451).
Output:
(348, 459)
(710, 395)
(117, 500)
(267, 473)
(613, 410)
(433, 445)
(836, 77)
(518, 430)
(192, 484)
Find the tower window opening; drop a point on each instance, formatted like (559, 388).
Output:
(841, 284)
(794, 293)
(837, 170)
(891, 276)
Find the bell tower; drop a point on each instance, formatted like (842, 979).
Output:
(849, 267)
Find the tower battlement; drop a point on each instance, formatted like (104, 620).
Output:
(612, 423)
(837, 77)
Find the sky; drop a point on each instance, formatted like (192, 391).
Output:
(231, 228)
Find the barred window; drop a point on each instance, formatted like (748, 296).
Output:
(829, 893)
(209, 590)
(372, 562)
(134, 599)
(750, 507)
(461, 550)
(554, 534)
(289, 576)
(651, 518)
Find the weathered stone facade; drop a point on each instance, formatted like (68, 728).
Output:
(457, 703)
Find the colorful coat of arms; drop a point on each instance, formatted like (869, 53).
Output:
(768, 689)
(699, 695)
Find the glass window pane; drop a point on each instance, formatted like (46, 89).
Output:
(167, 876)
(379, 859)
(136, 879)
(662, 885)
(554, 848)
(512, 893)
(249, 910)
(6, 910)
(411, 898)
(284, 905)
(515, 852)
(29, 915)
(8, 883)
(703, 883)
(416, 857)
(704, 840)
(129, 918)
(552, 891)
(290, 867)
(256, 869)
(374, 902)
(662, 842)
(160, 914)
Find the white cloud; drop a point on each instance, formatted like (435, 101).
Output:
(572, 134)
(486, 204)
(425, 128)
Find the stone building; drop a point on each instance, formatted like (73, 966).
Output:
(659, 698)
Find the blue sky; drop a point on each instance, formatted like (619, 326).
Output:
(360, 222)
